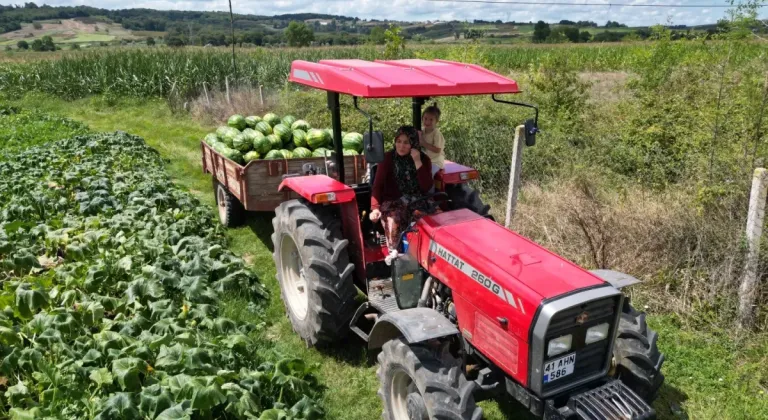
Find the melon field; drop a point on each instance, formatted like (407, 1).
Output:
(122, 296)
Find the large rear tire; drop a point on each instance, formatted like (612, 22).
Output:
(636, 355)
(416, 384)
(313, 270)
(230, 209)
(465, 197)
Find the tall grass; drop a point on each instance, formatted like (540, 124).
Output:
(160, 72)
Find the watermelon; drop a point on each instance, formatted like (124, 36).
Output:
(252, 120)
(284, 132)
(211, 139)
(242, 143)
(221, 131)
(350, 152)
(287, 154)
(229, 136)
(300, 125)
(353, 141)
(316, 138)
(329, 134)
(250, 133)
(302, 152)
(252, 155)
(288, 120)
(299, 138)
(233, 155)
(237, 121)
(272, 119)
(321, 152)
(264, 128)
(261, 144)
(275, 142)
(220, 147)
(273, 154)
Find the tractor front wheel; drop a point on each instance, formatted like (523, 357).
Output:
(313, 270)
(637, 358)
(415, 383)
(465, 197)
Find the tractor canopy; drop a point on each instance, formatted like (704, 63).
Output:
(400, 78)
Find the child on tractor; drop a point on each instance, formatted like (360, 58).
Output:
(432, 139)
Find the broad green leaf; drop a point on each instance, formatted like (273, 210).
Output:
(29, 300)
(154, 400)
(101, 377)
(94, 312)
(17, 393)
(119, 406)
(205, 398)
(127, 371)
(91, 357)
(307, 409)
(9, 337)
(33, 413)
(177, 412)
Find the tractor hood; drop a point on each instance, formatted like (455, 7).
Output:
(464, 239)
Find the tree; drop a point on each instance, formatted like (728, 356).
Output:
(585, 36)
(395, 43)
(37, 25)
(22, 45)
(299, 34)
(377, 35)
(48, 44)
(37, 45)
(541, 31)
(150, 41)
(174, 41)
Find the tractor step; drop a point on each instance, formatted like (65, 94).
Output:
(382, 295)
(614, 400)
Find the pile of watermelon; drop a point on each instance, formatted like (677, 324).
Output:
(245, 139)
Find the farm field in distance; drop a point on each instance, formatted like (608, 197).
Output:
(625, 167)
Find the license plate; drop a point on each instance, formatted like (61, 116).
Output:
(559, 368)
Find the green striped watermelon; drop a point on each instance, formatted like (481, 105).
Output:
(252, 155)
(264, 128)
(211, 139)
(261, 144)
(237, 121)
(316, 138)
(287, 154)
(321, 152)
(273, 154)
(302, 152)
(300, 138)
(272, 119)
(283, 131)
(288, 120)
(300, 125)
(275, 142)
(252, 120)
(353, 141)
(242, 143)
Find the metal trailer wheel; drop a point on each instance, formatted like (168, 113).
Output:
(416, 384)
(231, 211)
(313, 270)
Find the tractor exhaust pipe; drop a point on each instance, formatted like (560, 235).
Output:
(425, 293)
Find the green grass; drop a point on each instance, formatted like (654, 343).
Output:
(709, 375)
(84, 37)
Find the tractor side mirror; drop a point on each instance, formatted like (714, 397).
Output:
(530, 132)
(373, 146)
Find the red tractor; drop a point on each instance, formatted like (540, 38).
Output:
(471, 310)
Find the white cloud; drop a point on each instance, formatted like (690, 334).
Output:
(408, 10)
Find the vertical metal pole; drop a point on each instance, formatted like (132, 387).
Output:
(416, 107)
(232, 27)
(748, 288)
(514, 173)
(333, 105)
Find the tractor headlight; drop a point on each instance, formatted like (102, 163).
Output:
(597, 333)
(559, 345)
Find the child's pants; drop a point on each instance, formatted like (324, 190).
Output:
(435, 169)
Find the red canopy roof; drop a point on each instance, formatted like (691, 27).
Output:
(400, 78)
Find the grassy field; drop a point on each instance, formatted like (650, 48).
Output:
(709, 373)
(69, 31)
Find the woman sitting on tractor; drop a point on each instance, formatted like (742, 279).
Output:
(404, 175)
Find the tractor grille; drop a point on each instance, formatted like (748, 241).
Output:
(591, 358)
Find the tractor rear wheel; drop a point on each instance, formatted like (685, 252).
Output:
(465, 197)
(231, 211)
(636, 354)
(313, 270)
(417, 384)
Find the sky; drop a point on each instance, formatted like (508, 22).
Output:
(422, 10)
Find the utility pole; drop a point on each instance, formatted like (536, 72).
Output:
(232, 27)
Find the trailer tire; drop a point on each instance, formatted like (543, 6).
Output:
(465, 197)
(230, 209)
(313, 270)
(637, 357)
(415, 383)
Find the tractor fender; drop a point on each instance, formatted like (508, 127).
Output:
(614, 278)
(318, 189)
(415, 325)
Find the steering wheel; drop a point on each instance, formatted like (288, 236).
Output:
(426, 197)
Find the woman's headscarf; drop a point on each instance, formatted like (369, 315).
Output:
(405, 168)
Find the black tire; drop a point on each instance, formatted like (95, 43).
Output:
(636, 355)
(465, 197)
(437, 388)
(230, 209)
(324, 289)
